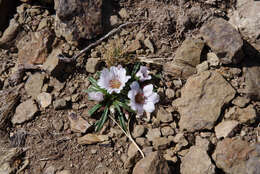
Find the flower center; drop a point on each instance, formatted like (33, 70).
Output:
(114, 83)
(140, 98)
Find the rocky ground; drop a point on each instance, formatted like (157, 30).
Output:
(205, 52)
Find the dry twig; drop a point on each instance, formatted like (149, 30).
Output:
(69, 60)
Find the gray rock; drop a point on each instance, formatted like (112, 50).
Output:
(224, 40)
(166, 131)
(197, 161)
(78, 124)
(203, 143)
(57, 124)
(142, 141)
(170, 93)
(134, 46)
(44, 99)
(201, 100)
(241, 101)
(149, 44)
(224, 128)
(7, 159)
(186, 59)
(213, 59)
(92, 65)
(34, 84)
(161, 143)
(64, 172)
(164, 116)
(8, 102)
(235, 156)
(53, 65)
(77, 19)
(246, 20)
(153, 133)
(35, 47)
(114, 20)
(24, 112)
(153, 163)
(204, 66)
(9, 34)
(138, 131)
(252, 80)
(59, 104)
(180, 141)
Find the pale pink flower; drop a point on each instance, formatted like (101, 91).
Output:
(143, 74)
(142, 99)
(97, 96)
(114, 79)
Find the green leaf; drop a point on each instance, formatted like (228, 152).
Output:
(94, 109)
(102, 120)
(125, 106)
(121, 116)
(93, 81)
(135, 69)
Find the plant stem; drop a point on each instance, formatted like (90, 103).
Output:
(128, 134)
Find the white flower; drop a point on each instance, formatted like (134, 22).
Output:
(142, 99)
(143, 74)
(114, 79)
(97, 96)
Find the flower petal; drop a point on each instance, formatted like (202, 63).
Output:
(149, 107)
(154, 98)
(148, 90)
(131, 94)
(135, 85)
(97, 96)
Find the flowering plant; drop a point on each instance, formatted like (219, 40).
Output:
(118, 92)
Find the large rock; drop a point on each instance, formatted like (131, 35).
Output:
(9, 99)
(9, 34)
(224, 40)
(186, 59)
(34, 84)
(246, 18)
(235, 156)
(252, 79)
(78, 19)
(153, 163)
(201, 100)
(35, 47)
(24, 112)
(197, 161)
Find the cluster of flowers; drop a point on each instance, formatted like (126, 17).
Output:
(115, 81)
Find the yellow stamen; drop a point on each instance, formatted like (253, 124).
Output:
(114, 83)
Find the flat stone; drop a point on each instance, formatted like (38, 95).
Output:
(60, 104)
(153, 133)
(197, 161)
(224, 128)
(114, 20)
(202, 93)
(161, 143)
(213, 59)
(34, 47)
(34, 84)
(203, 143)
(92, 65)
(170, 93)
(148, 43)
(24, 112)
(78, 19)
(123, 13)
(135, 45)
(164, 116)
(237, 156)
(92, 139)
(224, 40)
(9, 34)
(204, 66)
(245, 19)
(251, 73)
(53, 65)
(245, 115)
(138, 131)
(9, 99)
(166, 131)
(64, 172)
(153, 163)
(78, 124)
(44, 99)
(241, 101)
(186, 59)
